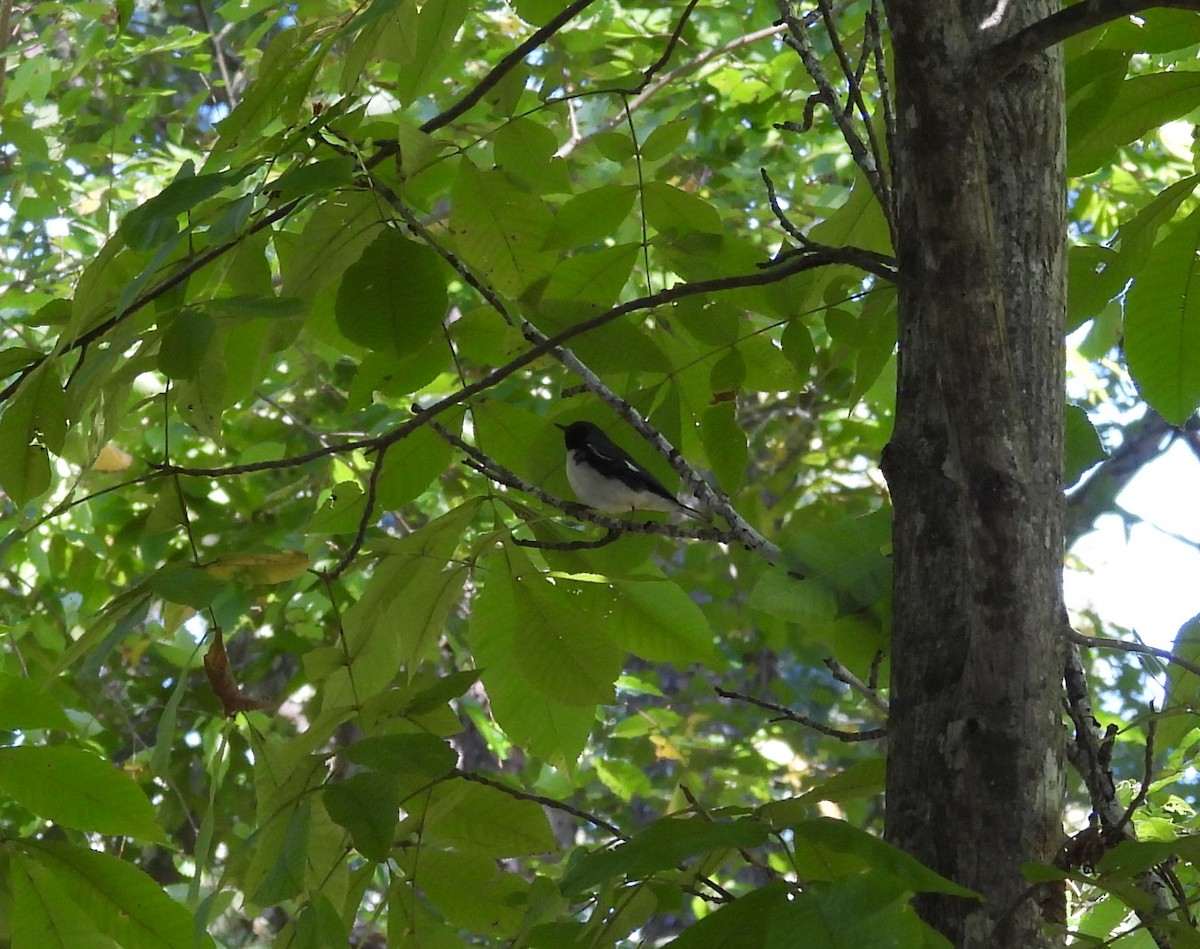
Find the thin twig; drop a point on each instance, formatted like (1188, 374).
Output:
(488, 466)
(786, 714)
(639, 96)
(1121, 645)
(543, 800)
(842, 674)
(1084, 752)
(1022, 46)
(797, 38)
(1147, 776)
(506, 65)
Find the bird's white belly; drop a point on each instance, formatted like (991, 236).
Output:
(608, 494)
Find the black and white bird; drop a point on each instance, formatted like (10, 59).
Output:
(605, 477)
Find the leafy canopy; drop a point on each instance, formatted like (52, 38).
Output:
(284, 316)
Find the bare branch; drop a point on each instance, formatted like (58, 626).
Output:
(1121, 645)
(506, 65)
(786, 714)
(1022, 46)
(1086, 754)
(544, 801)
(868, 692)
(491, 468)
(1147, 775)
(646, 89)
(797, 38)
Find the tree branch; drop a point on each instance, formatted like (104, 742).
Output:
(491, 468)
(1007, 55)
(1121, 645)
(786, 714)
(502, 69)
(1089, 758)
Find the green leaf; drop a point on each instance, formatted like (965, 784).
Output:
(590, 217)
(280, 854)
(186, 583)
(314, 178)
(367, 805)
(554, 732)
(77, 789)
(672, 211)
(1083, 445)
(400, 611)
(525, 149)
(470, 891)
(660, 623)
(426, 755)
(393, 298)
(185, 343)
(861, 779)
(1142, 103)
(848, 557)
(1183, 687)
(595, 277)
(122, 902)
(1162, 323)
(537, 12)
(25, 704)
(427, 698)
(499, 229)
(419, 58)
(475, 818)
(665, 140)
(661, 846)
(565, 652)
(622, 778)
(725, 445)
(826, 849)
(858, 223)
(332, 241)
(34, 422)
(1131, 857)
(45, 915)
(155, 221)
(806, 602)
(410, 466)
(765, 918)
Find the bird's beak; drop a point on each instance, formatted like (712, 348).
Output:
(560, 425)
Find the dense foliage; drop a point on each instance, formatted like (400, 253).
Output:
(290, 303)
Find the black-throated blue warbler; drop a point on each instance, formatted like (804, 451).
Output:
(605, 477)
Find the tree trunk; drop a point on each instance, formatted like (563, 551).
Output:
(975, 781)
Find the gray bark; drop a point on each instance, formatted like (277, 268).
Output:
(975, 777)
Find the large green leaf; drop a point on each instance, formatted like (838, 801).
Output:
(1162, 323)
(77, 789)
(499, 229)
(121, 901)
(475, 818)
(421, 50)
(44, 914)
(33, 423)
(1141, 104)
(661, 623)
(367, 805)
(393, 298)
(826, 849)
(546, 728)
(661, 846)
(26, 704)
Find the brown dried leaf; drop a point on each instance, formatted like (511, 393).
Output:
(224, 683)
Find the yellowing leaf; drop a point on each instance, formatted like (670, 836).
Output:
(112, 458)
(259, 568)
